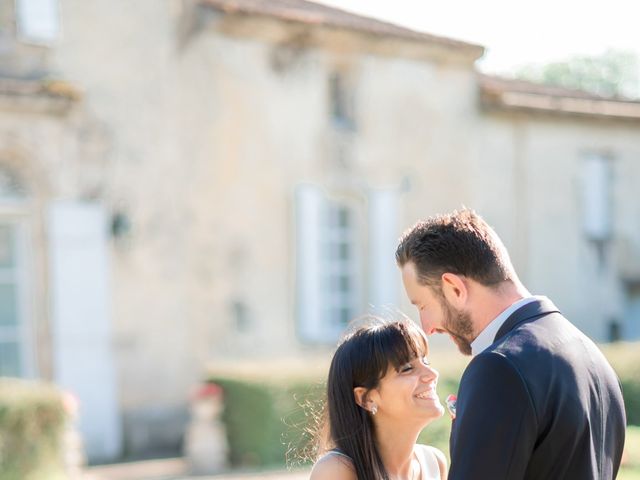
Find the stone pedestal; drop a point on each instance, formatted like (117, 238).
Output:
(205, 445)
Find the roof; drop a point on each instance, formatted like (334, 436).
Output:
(301, 11)
(508, 94)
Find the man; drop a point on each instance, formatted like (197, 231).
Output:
(538, 400)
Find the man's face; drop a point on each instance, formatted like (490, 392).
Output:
(437, 315)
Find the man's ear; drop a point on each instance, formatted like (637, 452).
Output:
(455, 290)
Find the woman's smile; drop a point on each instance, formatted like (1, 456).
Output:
(428, 394)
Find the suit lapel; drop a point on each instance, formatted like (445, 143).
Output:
(539, 307)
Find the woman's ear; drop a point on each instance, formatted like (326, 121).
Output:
(360, 396)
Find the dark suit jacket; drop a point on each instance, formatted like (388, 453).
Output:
(542, 402)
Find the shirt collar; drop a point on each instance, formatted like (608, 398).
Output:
(488, 335)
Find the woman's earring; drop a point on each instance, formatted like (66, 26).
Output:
(374, 409)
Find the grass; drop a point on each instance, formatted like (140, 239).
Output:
(629, 474)
(631, 460)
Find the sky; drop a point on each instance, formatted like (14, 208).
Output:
(515, 32)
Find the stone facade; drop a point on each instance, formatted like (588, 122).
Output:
(194, 124)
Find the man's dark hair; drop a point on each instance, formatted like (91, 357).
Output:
(461, 243)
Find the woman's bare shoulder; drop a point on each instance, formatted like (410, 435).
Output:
(333, 466)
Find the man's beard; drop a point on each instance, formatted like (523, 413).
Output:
(458, 324)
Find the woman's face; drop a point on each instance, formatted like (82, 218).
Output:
(409, 393)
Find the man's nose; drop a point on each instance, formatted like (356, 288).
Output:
(428, 328)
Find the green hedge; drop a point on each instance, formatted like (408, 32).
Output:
(625, 359)
(32, 418)
(267, 422)
(266, 419)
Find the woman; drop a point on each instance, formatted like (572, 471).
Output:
(381, 393)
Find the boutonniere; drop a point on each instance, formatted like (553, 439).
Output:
(451, 405)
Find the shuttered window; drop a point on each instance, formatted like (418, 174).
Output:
(331, 246)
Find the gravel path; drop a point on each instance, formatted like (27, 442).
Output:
(175, 469)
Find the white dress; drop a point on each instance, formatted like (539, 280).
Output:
(429, 468)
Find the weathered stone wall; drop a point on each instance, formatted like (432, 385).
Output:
(195, 128)
(531, 190)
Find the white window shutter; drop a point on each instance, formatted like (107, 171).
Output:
(81, 322)
(309, 200)
(38, 20)
(383, 238)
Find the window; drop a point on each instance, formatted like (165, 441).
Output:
(12, 355)
(341, 102)
(596, 197)
(331, 287)
(38, 21)
(339, 261)
(631, 328)
(328, 279)
(15, 359)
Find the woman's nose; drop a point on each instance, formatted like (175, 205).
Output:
(429, 374)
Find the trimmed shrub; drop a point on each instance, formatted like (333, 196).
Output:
(268, 421)
(32, 419)
(265, 421)
(437, 432)
(625, 359)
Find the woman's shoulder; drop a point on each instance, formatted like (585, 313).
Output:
(434, 456)
(333, 466)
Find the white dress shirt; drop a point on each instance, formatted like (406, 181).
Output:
(488, 335)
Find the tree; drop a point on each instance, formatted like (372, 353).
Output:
(614, 73)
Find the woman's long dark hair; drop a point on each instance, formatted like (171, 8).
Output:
(361, 360)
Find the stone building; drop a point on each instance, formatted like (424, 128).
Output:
(191, 181)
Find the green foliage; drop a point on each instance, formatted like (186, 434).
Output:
(32, 419)
(625, 359)
(268, 421)
(613, 73)
(631, 393)
(437, 432)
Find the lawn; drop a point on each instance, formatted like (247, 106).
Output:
(631, 459)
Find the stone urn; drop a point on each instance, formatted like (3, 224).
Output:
(205, 445)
